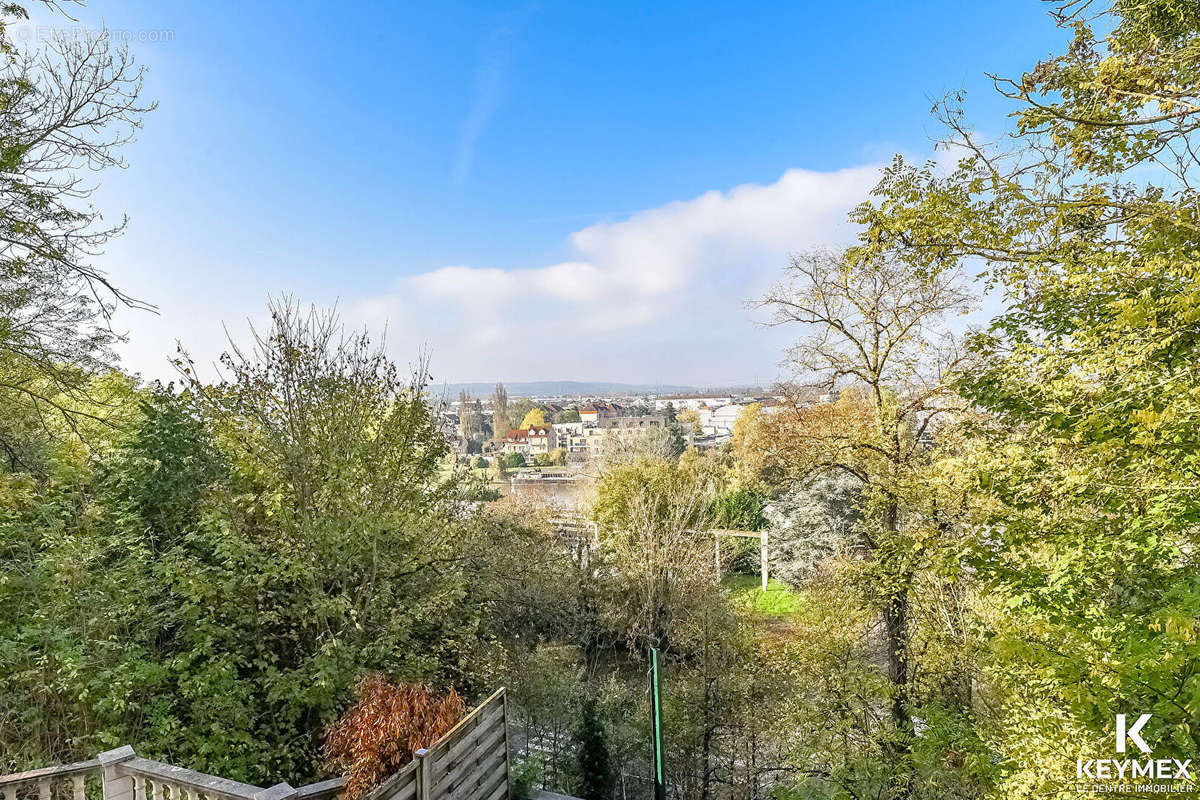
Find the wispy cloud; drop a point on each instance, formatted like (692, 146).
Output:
(491, 78)
(673, 278)
(655, 296)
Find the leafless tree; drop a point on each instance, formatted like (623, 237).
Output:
(67, 106)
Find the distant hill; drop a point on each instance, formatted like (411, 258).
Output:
(557, 388)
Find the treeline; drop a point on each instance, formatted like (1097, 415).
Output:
(208, 576)
(1017, 565)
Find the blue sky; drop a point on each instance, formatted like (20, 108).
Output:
(536, 191)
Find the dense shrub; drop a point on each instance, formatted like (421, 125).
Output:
(387, 723)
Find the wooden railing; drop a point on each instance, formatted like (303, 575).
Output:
(469, 763)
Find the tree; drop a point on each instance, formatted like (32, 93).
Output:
(653, 516)
(676, 440)
(1086, 224)
(337, 504)
(555, 457)
(741, 508)
(497, 470)
(517, 409)
(500, 414)
(64, 108)
(691, 417)
(467, 424)
(64, 691)
(753, 451)
(482, 428)
(513, 460)
(567, 415)
(473, 425)
(596, 779)
(873, 328)
(813, 523)
(534, 418)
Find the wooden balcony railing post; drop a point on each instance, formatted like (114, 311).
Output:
(424, 775)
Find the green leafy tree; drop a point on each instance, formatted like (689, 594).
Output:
(567, 415)
(872, 325)
(77, 672)
(676, 441)
(335, 512)
(741, 508)
(234, 556)
(1086, 224)
(596, 778)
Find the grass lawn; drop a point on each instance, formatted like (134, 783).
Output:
(778, 601)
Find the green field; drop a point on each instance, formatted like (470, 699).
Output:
(745, 591)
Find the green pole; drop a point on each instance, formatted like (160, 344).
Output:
(657, 767)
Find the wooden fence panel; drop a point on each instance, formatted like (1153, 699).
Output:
(400, 786)
(471, 761)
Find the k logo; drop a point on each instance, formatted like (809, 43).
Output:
(1126, 734)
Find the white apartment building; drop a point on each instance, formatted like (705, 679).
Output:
(589, 438)
(719, 421)
(692, 402)
(570, 436)
(606, 432)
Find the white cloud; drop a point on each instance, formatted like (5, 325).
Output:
(673, 278)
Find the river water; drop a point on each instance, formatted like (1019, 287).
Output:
(570, 495)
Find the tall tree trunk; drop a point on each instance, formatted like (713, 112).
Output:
(895, 619)
(709, 716)
(896, 628)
